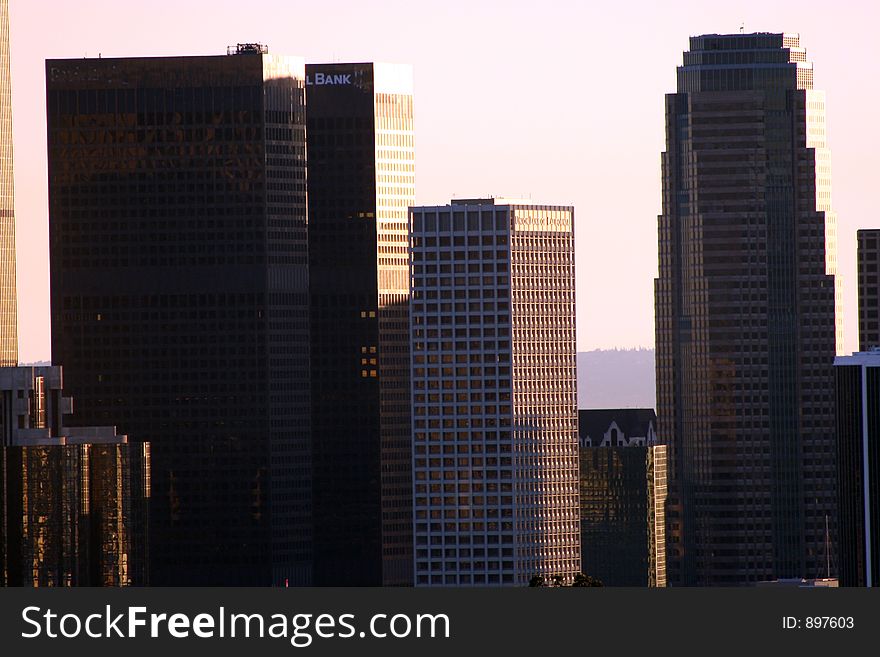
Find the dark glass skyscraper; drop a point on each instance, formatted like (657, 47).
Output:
(361, 182)
(8, 310)
(858, 454)
(179, 279)
(745, 315)
(616, 446)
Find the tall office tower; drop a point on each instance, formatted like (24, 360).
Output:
(74, 500)
(868, 258)
(8, 309)
(745, 314)
(495, 443)
(179, 276)
(616, 533)
(361, 182)
(858, 467)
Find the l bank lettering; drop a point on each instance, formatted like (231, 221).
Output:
(327, 78)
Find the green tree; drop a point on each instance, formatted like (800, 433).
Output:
(586, 580)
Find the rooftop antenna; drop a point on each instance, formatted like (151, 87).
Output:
(742, 27)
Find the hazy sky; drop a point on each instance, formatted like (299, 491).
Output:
(558, 101)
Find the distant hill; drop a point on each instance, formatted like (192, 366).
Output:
(616, 378)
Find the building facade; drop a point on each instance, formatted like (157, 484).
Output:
(746, 321)
(617, 535)
(657, 497)
(8, 308)
(74, 500)
(858, 467)
(495, 452)
(867, 260)
(361, 182)
(179, 293)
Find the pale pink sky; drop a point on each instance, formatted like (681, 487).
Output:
(561, 101)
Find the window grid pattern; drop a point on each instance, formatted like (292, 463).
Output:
(8, 294)
(545, 391)
(179, 283)
(494, 433)
(868, 259)
(395, 192)
(745, 316)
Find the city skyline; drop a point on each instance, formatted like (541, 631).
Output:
(573, 151)
(254, 314)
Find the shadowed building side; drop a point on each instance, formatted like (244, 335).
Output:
(858, 457)
(179, 293)
(361, 182)
(622, 482)
(747, 315)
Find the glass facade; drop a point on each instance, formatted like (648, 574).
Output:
(75, 515)
(858, 465)
(361, 182)
(8, 309)
(74, 504)
(179, 293)
(747, 315)
(614, 514)
(618, 476)
(495, 462)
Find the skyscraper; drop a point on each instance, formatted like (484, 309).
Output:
(868, 260)
(8, 309)
(361, 182)
(745, 314)
(858, 459)
(495, 444)
(179, 283)
(616, 446)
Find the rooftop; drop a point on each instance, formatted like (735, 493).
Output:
(631, 421)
